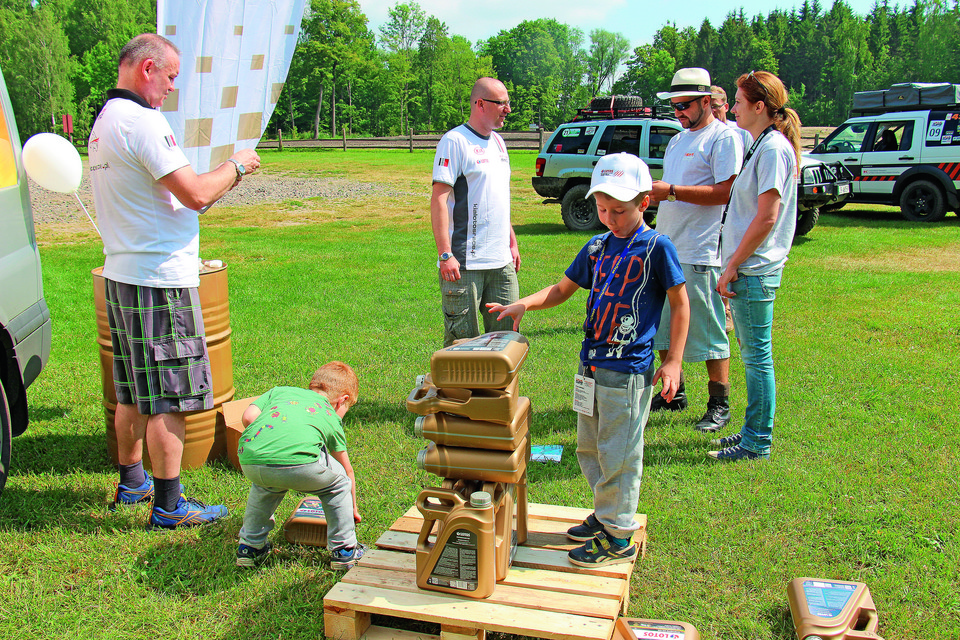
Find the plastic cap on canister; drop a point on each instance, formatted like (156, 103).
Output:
(420, 379)
(418, 426)
(422, 459)
(480, 499)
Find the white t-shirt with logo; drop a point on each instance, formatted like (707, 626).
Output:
(706, 156)
(149, 237)
(772, 166)
(478, 169)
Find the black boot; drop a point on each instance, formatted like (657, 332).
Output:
(679, 402)
(717, 415)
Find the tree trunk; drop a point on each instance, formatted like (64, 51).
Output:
(316, 115)
(350, 100)
(333, 100)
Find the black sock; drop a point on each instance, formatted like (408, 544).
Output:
(132, 475)
(167, 493)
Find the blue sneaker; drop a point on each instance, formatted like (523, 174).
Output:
(586, 530)
(127, 496)
(346, 558)
(601, 550)
(190, 512)
(735, 453)
(248, 556)
(727, 441)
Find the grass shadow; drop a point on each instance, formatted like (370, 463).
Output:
(886, 218)
(541, 228)
(75, 510)
(780, 620)
(60, 454)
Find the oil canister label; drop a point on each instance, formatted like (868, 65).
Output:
(827, 599)
(495, 341)
(656, 630)
(310, 509)
(456, 567)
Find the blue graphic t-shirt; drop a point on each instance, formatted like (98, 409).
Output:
(619, 329)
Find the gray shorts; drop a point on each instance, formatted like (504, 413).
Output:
(707, 336)
(160, 360)
(464, 302)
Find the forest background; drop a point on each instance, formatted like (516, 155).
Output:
(59, 57)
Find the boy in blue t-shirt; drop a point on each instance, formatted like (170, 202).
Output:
(629, 272)
(294, 440)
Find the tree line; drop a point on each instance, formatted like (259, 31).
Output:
(59, 56)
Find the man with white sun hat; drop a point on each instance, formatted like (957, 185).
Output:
(699, 166)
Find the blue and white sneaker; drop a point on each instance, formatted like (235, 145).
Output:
(601, 550)
(190, 512)
(250, 557)
(735, 453)
(345, 558)
(727, 441)
(125, 496)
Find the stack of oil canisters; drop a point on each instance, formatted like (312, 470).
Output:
(470, 408)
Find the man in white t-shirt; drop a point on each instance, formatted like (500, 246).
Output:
(720, 108)
(470, 213)
(147, 198)
(699, 167)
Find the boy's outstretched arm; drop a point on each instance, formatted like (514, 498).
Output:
(344, 459)
(544, 299)
(669, 370)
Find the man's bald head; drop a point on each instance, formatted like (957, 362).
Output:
(484, 87)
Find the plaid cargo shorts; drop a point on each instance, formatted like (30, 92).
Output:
(160, 360)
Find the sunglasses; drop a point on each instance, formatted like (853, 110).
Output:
(762, 86)
(682, 106)
(502, 103)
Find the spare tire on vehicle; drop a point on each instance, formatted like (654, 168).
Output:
(616, 102)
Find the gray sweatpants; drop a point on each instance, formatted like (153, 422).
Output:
(610, 446)
(325, 478)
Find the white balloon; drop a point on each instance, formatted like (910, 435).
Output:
(52, 162)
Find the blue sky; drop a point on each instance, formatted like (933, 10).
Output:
(638, 21)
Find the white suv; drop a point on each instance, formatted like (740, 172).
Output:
(900, 156)
(24, 317)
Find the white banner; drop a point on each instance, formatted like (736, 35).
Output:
(234, 57)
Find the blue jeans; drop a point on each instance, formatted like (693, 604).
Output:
(752, 310)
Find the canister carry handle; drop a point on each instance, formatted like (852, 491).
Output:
(445, 501)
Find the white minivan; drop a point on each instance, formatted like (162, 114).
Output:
(24, 317)
(902, 154)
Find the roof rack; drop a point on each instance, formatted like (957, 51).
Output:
(620, 107)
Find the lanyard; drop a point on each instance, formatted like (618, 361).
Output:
(606, 284)
(746, 159)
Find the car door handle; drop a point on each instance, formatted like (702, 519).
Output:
(905, 158)
(851, 159)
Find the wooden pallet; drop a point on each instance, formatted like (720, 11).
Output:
(543, 595)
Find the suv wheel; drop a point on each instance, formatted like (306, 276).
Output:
(806, 221)
(577, 213)
(923, 201)
(6, 434)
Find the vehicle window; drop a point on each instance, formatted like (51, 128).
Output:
(572, 139)
(659, 137)
(620, 139)
(893, 136)
(847, 139)
(8, 168)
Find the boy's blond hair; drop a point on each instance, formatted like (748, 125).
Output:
(638, 200)
(335, 379)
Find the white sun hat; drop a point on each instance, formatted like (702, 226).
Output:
(692, 81)
(621, 176)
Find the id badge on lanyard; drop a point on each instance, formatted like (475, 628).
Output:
(584, 389)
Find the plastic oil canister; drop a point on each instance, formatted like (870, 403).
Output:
(492, 405)
(456, 431)
(462, 558)
(490, 361)
(832, 610)
(642, 629)
(475, 464)
(307, 524)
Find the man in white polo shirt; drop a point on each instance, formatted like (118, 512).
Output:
(147, 198)
(470, 213)
(699, 167)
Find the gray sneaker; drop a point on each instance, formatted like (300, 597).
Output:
(345, 558)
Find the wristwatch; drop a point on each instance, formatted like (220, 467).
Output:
(672, 197)
(241, 170)
(446, 255)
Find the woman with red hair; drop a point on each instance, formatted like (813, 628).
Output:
(756, 234)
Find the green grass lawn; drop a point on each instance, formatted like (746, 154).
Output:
(863, 484)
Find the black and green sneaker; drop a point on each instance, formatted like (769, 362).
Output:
(586, 530)
(602, 550)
